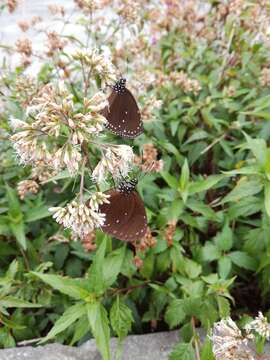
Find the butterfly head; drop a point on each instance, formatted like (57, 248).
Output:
(128, 186)
(120, 86)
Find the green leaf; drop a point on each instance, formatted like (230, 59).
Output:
(206, 352)
(65, 174)
(15, 216)
(182, 351)
(98, 320)
(176, 209)
(37, 213)
(11, 301)
(224, 239)
(224, 266)
(210, 252)
(243, 260)
(170, 180)
(184, 178)
(96, 276)
(121, 318)
(14, 206)
(258, 148)
(267, 197)
(65, 285)
(203, 185)
(175, 314)
(81, 329)
(243, 189)
(192, 269)
(18, 232)
(112, 266)
(72, 314)
(223, 306)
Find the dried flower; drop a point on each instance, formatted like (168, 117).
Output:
(79, 217)
(115, 161)
(129, 11)
(182, 80)
(27, 186)
(150, 162)
(138, 262)
(12, 5)
(169, 232)
(265, 77)
(148, 241)
(88, 5)
(55, 43)
(88, 242)
(56, 9)
(24, 46)
(150, 106)
(35, 20)
(23, 25)
(228, 342)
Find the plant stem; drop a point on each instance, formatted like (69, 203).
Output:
(129, 288)
(82, 180)
(85, 152)
(195, 339)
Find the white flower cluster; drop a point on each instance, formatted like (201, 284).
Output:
(260, 325)
(116, 161)
(54, 114)
(79, 217)
(98, 64)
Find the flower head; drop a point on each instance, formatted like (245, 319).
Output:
(260, 325)
(116, 161)
(79, 217)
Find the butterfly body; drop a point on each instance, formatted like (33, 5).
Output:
(123, 115)
(125, 214)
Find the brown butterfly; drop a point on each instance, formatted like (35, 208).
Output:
(123, 115)
(125, 214)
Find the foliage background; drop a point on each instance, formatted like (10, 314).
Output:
(208, 209)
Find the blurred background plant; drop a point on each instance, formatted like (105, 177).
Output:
(201, 73)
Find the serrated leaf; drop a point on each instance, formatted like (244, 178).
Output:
(81, 329)
(112, 265)
(121, 318)
(242, 259)
(224, 239)
(203, 185)
(96, 277)
(175, 314)
(224, 307)
(98, 320)
(170, 180)
(243, 189)
(72, 314)
(65, 285)
(224, 266)
(210, 252)
(192, 269)
(206, 352)
(11, 301)
(182, 352)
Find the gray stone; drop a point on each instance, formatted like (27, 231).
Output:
(135, 347)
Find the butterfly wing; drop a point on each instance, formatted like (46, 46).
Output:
(123, 115)
(125, 216)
